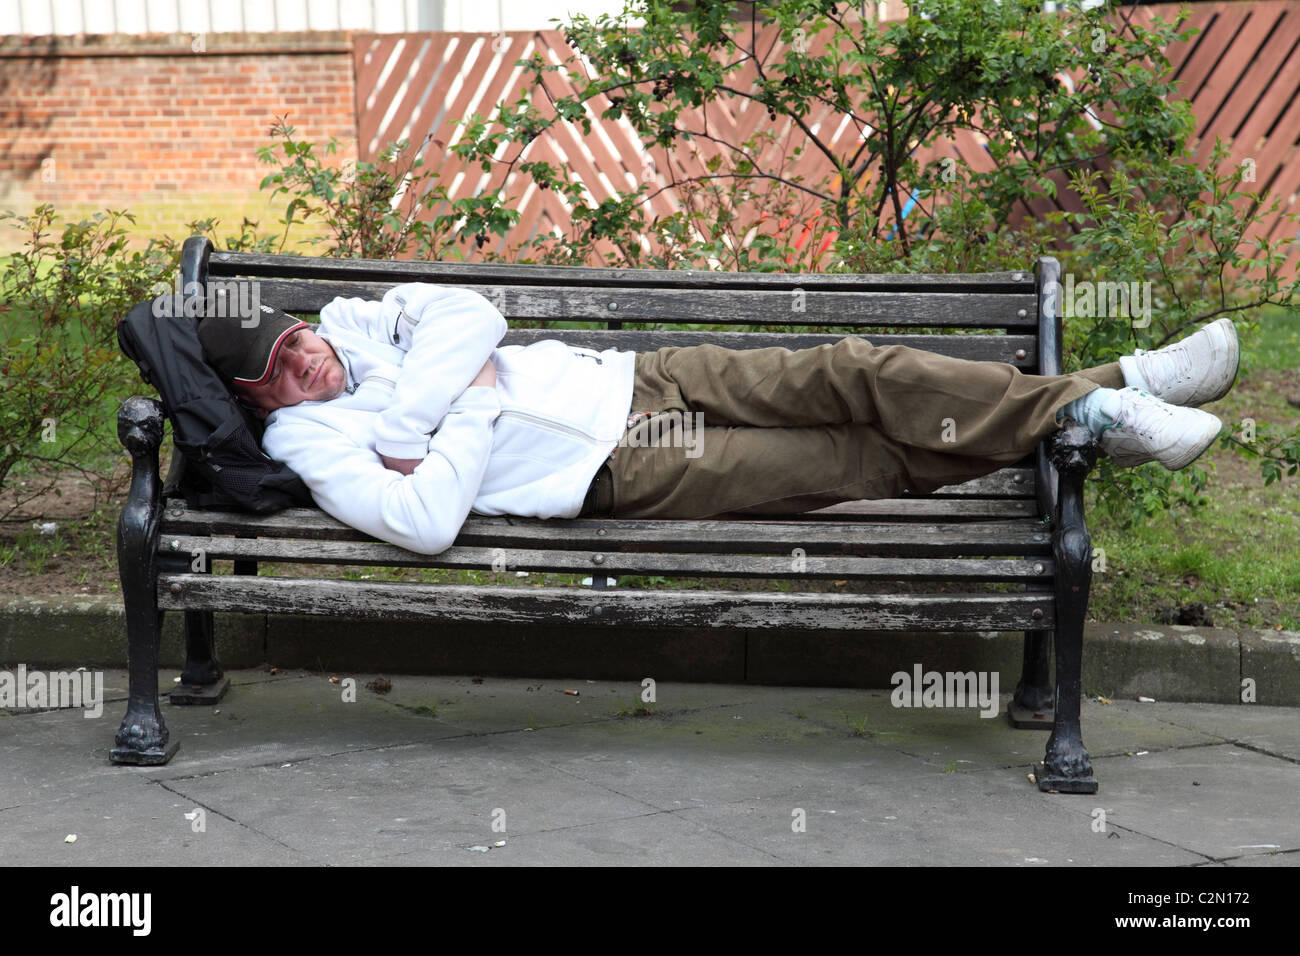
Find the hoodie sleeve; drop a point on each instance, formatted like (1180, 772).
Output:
(422, 511)
(447, 335)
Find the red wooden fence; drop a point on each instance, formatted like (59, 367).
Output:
(1241, 73)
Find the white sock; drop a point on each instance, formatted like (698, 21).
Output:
(1097, 410)
(1132, 377)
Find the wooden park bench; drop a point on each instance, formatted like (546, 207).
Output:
(1021, 525)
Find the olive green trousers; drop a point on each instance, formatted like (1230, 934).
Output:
(775, 431)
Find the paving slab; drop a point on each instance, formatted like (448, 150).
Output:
(964, 740)
(497, 705)
(366, 805)
(124, 820)
(1270, 858)
(1220, 801)
(1274, 730)
(992, 818)
(706, 758)
(263, 719)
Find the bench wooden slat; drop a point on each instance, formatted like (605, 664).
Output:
(298, 551)
(376, 270)
(905, 539)
(957, 309)
(607, 607)
(988, 348)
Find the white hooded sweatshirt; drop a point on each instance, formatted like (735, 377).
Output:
(528, 447)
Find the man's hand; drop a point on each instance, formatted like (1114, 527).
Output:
(487, 375)
(403, 465)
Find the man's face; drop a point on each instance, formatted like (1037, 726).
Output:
(306, 369)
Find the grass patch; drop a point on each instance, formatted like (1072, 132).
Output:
(1276, 345)
(858, 727)
(638, 708)
(420, 710)
(1237, 555)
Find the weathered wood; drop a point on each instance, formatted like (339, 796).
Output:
(1018, 350)
(967, 508)
(1007, 483)
(464, 273)
(708, 306)
(300, 551)
(606, 608)
(981, 498)
(905, 539)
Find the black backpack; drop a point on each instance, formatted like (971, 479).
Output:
(220, 440)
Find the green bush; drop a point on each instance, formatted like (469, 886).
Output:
(61, 296)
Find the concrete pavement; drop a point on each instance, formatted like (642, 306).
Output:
(440, 770)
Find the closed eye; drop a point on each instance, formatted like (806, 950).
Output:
(290, 342)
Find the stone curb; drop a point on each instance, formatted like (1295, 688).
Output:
(1121, 661)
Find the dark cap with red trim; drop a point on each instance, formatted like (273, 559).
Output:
(243, 350)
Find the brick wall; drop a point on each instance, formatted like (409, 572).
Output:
(166, 126)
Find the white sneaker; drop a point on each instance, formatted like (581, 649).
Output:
(1148, 429)
(1199, 369)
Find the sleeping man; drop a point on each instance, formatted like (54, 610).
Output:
(404, 416)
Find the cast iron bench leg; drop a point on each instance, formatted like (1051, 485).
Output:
(143, 737)
(202, 679)
(1033, 705)
(1066, 767)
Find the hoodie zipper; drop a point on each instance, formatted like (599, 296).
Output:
(550, 425)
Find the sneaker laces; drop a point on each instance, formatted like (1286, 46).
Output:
(1180, 367)
(1129, 411)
